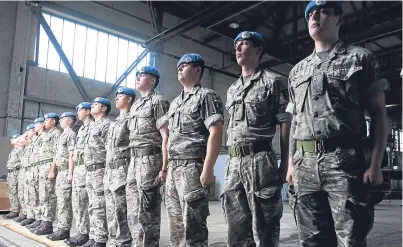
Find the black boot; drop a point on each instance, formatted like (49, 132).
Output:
(44, 229)
(20, 218)
(34, 224)
(27, 221)
(89, 243)
(78, 240)
(11, 215)
(59, 235)
(99, 244)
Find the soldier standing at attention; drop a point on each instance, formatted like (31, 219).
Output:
(79, 193)
(195, 119)
(94, 159)
(34, 188)
(330, 90)
(63, 164)
(256, 103)
(117, 165)
(147, 134)
(13, 167)
(47, 196)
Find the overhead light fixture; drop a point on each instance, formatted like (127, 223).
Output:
(233, 25)
(392, 105)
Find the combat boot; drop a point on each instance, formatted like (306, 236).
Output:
(99, 244)
(44, 229)
(20, 218)
(27, 221)
(90, 243)
(10, 215)
(34, 224)
(59, 235)
(78, 240)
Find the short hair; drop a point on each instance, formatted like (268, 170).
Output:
(201, 65)
(256, 43)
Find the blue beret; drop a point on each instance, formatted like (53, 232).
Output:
(30, 127)
(15, 136)
(68, 114)
(190, 58)
(321, 3)
(125, 90)
(39, 120)
(148, 70)
(83, 105)
(52, 115)
(250, 35)
(102, 101)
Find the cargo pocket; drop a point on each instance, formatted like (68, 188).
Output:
(150, 198)
(197, 206)
(362, 215)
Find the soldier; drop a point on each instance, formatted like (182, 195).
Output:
(147, 134)
(329, 93)
(256, 103)
(47, 197)
(34, 167)
(63, 164)
(117, 164)
(94, 159)
(195, 120)
(13, 167)
(79, 192)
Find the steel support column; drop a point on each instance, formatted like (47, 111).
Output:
(59, 50)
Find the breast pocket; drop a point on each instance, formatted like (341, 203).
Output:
(259, 107)
(172, 124)
(300, 87)
(145, 123)
(190, 119)
(343, 82)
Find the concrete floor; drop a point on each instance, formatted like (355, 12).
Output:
(387, 231)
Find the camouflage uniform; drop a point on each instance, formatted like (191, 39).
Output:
(117, 164)
(142, 189)
(79, 195)
(47, 196)
(63, 146)
(21, 184)
(34, 189)
(328, 98)
(190, 117)
(28, 179)
(94, 159)
(251, 197)
(13, 166)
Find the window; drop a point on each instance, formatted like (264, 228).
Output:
(93, 53)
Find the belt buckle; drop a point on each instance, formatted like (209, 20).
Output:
(319, 146)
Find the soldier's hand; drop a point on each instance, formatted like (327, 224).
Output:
(69, 178)
(207, 178)
(290, 173)
(373, 176)
(51, 175)
(163, 176)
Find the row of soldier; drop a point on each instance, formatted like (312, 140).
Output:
(114, 167)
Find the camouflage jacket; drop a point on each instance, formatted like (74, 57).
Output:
(146, 116)
(82, 136)
(329, 96)
(190, 117)
(95, 150)
(117, 144)
(256, 107)
(47, 143)
(14, 158)
(63, 146)
(28, 152)
(36, 147)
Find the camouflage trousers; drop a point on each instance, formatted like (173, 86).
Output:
(116, 205)
(63, 197)
(251, 200)
(34, 193)
(144, 200)
(80, 200)
(28, 191)
(47, 195)
(187, 204)
(332, 204)
(96, 206)
(21, 186)
(12, 184)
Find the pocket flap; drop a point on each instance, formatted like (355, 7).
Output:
(270, 192)
(301, 80)
(195, 195)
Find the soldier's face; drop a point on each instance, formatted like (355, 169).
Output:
(323, 24)
(188, 72)
(49, 123)
(82, 113)
(63, 122)
(31, 133)
(245, 52)
(144, 81)
(96, 108)
(122, 101)
(38, 127)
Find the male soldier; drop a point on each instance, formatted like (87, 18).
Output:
(117, 164)
(13, 167)
(63, 164)
(94, 159)
(34, 188)
(147, 134)
(195, 120)
(252, 190)
(24, 171)
(329, 93)
(47, 197)
(79, 192)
